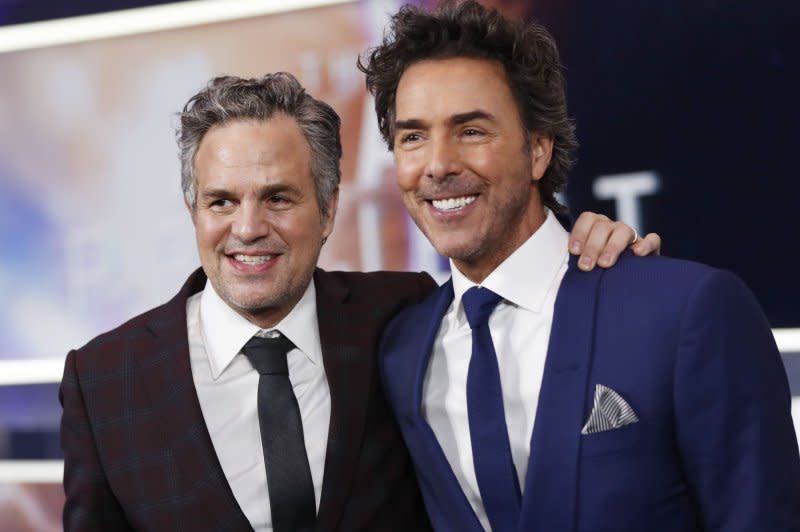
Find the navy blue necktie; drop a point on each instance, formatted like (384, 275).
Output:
(291, 490)
(491, 450)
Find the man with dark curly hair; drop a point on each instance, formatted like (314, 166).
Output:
(647, 397)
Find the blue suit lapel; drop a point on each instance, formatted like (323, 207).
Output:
(461, 516)
(550, 492)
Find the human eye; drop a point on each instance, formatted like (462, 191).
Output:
(472, 132)
(219, 204)
(279, 201)
(409, 137)
(277, 198)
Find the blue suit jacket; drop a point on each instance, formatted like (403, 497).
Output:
(689, 349)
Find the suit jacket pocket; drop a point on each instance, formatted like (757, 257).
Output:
(612, 441)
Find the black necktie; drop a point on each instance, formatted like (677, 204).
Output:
(491, 451)
(291, 490)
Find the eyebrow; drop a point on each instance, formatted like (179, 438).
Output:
(214, 193)
(456, 119)
(273, 188)
(412, 123)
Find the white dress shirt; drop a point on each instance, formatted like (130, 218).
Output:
(227, 387)
(528, 282)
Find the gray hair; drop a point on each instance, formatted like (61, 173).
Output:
(229, 98)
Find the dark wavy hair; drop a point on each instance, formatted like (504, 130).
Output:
(527, 52)
(229, 98)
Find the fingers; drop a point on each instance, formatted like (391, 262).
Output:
(650, 244)
(581, 229)
(605, 244)
(600, 241)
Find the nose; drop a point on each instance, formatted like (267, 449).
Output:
(443, 159)
(251, 222)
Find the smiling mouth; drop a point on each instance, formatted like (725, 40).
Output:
(453, 204)
(253, 259)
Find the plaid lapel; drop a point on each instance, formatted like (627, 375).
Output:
(349, 374)
(181, 429)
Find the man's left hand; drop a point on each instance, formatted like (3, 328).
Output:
(600, 241)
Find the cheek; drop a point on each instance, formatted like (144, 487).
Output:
(485, 161)
(407, 172)
(298, 230)
(210, 231)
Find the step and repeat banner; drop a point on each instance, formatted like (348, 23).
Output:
(687, 116)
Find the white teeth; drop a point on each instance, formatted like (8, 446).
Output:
(451, 204)
(253, 259)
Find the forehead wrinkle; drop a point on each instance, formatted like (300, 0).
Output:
(273, 162)
(247, 154)
(253, 152)
(250, 164)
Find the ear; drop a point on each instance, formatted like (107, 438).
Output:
(327, 224)
(541, 153)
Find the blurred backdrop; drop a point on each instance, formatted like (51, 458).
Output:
(686, 111)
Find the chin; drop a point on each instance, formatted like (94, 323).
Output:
(244, 299)
(455, 252)
(252, 304)
(452, 243)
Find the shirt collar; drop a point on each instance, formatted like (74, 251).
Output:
(526, 276)
(225, 331)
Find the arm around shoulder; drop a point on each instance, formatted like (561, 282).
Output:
(733, 412)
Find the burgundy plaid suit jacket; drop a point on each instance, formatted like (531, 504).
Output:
(137, 451)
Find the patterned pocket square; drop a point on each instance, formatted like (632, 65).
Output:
(610, 411)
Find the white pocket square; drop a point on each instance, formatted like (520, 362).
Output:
(610, 411)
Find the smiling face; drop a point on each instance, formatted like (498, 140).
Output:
(257, 221)
(466, 170)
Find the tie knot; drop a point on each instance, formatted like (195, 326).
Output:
(478, 305)
(268, 355)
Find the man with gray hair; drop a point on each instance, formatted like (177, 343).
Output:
(251, 399)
